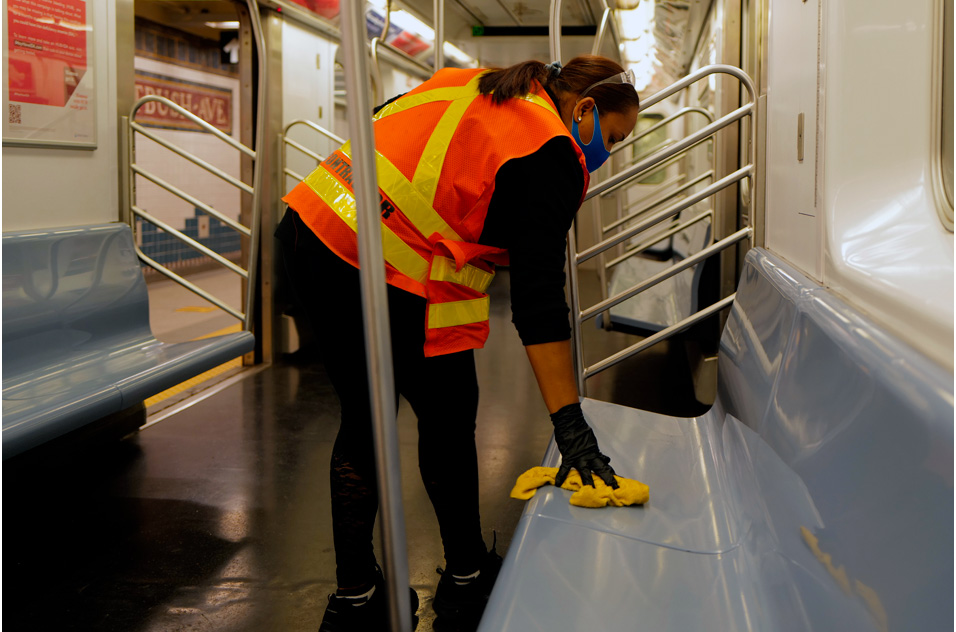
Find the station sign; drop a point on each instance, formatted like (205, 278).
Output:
(210, 103)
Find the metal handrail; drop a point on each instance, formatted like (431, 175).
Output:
(554, 30)
(610, 242)
(190, 157)
(678, 147)
(638, 169)
(662, 123)
(438, 7)
(137, 211)
(674, 228)
(653, 169)
(664, 144)
(663, 275)
(318, 128)
(131, 128)
(285, 141)
(658, 188)
(376, 70)
(663, 334)
(381, 41)
(687, 185)
(599, 36)
(375, 315)
(191, 199)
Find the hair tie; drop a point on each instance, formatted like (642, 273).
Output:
(554, 69)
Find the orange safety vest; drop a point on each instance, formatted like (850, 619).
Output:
(438, 150)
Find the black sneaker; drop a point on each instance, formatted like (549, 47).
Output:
(369, 614)
(460, 604)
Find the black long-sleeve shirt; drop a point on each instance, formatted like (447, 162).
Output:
(531, 209)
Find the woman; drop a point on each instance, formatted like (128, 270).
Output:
(475, 168)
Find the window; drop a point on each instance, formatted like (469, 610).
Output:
(648, 144)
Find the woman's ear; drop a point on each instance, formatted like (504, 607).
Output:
(583, 108)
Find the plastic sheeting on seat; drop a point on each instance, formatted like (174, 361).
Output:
(816, 494)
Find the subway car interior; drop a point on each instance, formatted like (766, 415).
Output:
(760, 283)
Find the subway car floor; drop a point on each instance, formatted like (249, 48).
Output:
(216, 518)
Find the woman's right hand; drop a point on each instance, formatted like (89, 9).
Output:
(579, 448)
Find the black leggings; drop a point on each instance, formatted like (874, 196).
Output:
(442, 390)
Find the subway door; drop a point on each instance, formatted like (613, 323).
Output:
(303, 63)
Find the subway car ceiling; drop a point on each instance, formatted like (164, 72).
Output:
(515, 30)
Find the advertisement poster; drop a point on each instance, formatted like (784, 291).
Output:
(48, 89)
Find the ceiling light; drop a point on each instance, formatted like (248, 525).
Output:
(225, 26)
(408, 22)
(459, 55)
(637, 21)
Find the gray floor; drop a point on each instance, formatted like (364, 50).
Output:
(216, 518)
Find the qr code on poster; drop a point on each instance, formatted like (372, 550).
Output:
(15, 112)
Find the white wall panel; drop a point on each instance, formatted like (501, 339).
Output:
(793, 222)
(46, 187)
(886, 250)
(308, 73)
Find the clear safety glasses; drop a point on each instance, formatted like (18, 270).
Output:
(624, 77)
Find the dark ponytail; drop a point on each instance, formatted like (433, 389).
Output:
(574, 78)
(514, 81)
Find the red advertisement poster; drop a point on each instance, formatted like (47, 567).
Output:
(212, 104)
(47, 50)
(326, 8)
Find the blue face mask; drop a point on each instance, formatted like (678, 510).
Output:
(595, 153)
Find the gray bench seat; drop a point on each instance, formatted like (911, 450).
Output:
(816, 494)
(77, 345)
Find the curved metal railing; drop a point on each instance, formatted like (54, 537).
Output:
(642, 223)
(137, 211)
(286, 142)
(664, 122)
(130, 131)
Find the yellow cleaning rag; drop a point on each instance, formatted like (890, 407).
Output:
(630, 492)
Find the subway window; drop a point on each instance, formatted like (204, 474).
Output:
(649, 144)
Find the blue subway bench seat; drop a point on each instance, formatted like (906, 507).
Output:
(77, 345)
(816, 494)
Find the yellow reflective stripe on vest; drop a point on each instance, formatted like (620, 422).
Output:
(537, 100)
(443, 269)
(456, 313)
(407, 198)
(428, 171)
(400, 255)
(429, 96)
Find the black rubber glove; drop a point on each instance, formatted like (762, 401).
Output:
(579, 448)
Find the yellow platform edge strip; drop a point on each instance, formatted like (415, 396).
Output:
(202, 377)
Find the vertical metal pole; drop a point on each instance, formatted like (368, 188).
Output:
(378, 349)
(577, 345)
(260, 148)
(126, 173)
(599, 37)
(439, 12)
(554, 30)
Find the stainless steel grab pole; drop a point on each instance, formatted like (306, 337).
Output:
(439, 14)
(554, 30)
(378, 349)
(259, 166)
